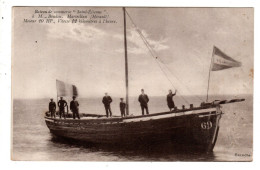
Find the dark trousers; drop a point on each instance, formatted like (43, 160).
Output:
(146, 108)
(62, 113)
(53, 113)
(108, 110)
(171, 106)
(122, 112)
(75, 113)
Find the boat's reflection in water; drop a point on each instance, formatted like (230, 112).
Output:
(167, 151)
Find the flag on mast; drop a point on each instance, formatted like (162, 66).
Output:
(65, 89)
(222, 61)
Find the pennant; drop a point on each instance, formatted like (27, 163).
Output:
(221, 61)
(65, 89)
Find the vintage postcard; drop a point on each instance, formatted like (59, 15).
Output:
(132, 84)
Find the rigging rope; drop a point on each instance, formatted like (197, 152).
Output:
(154, 54)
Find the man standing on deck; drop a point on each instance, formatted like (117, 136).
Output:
(143, 99)
(106, 101)
(62, 104)
(122, 106)
(74, 107)
(52, 108)
(170, 101)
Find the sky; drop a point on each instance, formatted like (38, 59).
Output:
(91, 56)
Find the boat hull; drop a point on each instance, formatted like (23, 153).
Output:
(197, 129)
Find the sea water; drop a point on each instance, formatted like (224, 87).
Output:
(32, 139)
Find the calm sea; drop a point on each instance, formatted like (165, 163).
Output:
(33, 141)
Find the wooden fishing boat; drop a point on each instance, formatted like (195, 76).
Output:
(196, 127)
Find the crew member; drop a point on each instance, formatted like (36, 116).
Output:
(52, 108)
(122, 106)
(106, 101)
(74, 107)
(170, 101)
(62, 104)
(143, 99)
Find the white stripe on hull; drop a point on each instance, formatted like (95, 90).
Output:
(169, 115)
(156, 117)
(49, 120)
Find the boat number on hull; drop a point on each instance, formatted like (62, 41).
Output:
(206, 125)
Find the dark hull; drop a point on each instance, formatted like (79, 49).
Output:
(196, 129)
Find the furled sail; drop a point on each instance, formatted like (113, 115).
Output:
(65, 89)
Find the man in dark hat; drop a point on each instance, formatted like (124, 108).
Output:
(62, 104)
(122, 106)
(74, 107)
(143, 99)
(52, 108)
(170, 101)
(106, 101)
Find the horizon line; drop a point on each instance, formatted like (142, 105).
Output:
(132, 96)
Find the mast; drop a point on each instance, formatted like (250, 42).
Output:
(209, 72)
(126, 65)
(57, 93)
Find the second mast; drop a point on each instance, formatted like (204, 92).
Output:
(126, 65)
